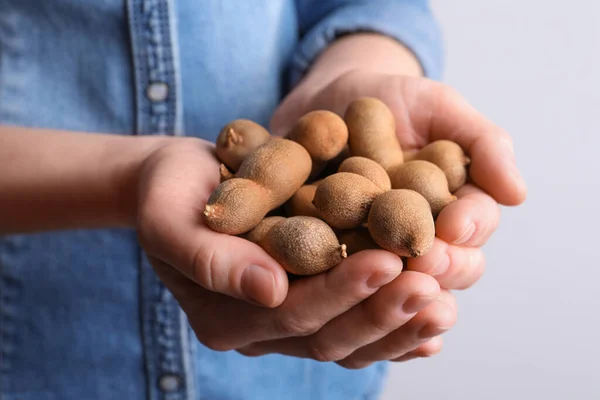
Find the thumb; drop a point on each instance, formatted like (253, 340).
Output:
(170, 229)
(237, 267)
(288, 112)
(220, 263)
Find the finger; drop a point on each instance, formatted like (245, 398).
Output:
(427, 349)
(454, 267)
(432, 321)
(388, 309)
(392, 306)
(314, 301)
(490, 148)
(233, 323)
(204, 256)
(178, 235)
(470, 220)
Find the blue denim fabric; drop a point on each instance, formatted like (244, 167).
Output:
(82, 315)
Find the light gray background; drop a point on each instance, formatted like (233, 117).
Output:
(530, 329)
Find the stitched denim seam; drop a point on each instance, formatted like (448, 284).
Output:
(13, 69)
(153, 62)
(9, 293)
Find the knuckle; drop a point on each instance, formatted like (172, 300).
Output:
(323, 352)
(293, 326)
(205, 264)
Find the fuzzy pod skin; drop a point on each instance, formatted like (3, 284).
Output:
(301, 203)
(343, 199)
(280, 165)
(260, 230)
(425, 178)
(237, 140)
(303, 245)
(266, 179)
(228, 209)
(372, 132)
(356, 240)
(322, 133)
(400, 221)
(369, 169)
(450, 158)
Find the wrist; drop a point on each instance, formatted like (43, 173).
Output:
(367, 54)
(361, 51)
(127, 155)
(68, 180)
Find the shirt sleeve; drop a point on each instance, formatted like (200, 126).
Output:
(411, 22)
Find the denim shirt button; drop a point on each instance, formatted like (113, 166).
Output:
(157, 92)
(169, 383)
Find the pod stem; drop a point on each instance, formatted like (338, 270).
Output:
(415, 253)
(208, 210)
(233, 137)
(225, 173)
(343, 251)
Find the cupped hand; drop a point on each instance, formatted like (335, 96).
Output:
(175, 184)
(426, 111)
(237, 297)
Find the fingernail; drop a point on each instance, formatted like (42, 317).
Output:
(258, 284)
(416, 303)
(466, 235)
(380, 278)
(442, 265)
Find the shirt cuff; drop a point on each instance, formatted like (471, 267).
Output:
(411, 24)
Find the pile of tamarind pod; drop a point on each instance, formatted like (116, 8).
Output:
(332, 187)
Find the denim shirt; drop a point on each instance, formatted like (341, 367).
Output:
(82, 314)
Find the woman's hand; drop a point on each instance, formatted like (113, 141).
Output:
(426, 111)
(234, 294)
(237, 297)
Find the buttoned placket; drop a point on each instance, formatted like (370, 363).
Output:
(165, 332)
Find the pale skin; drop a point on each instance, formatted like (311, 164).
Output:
(366, 309)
